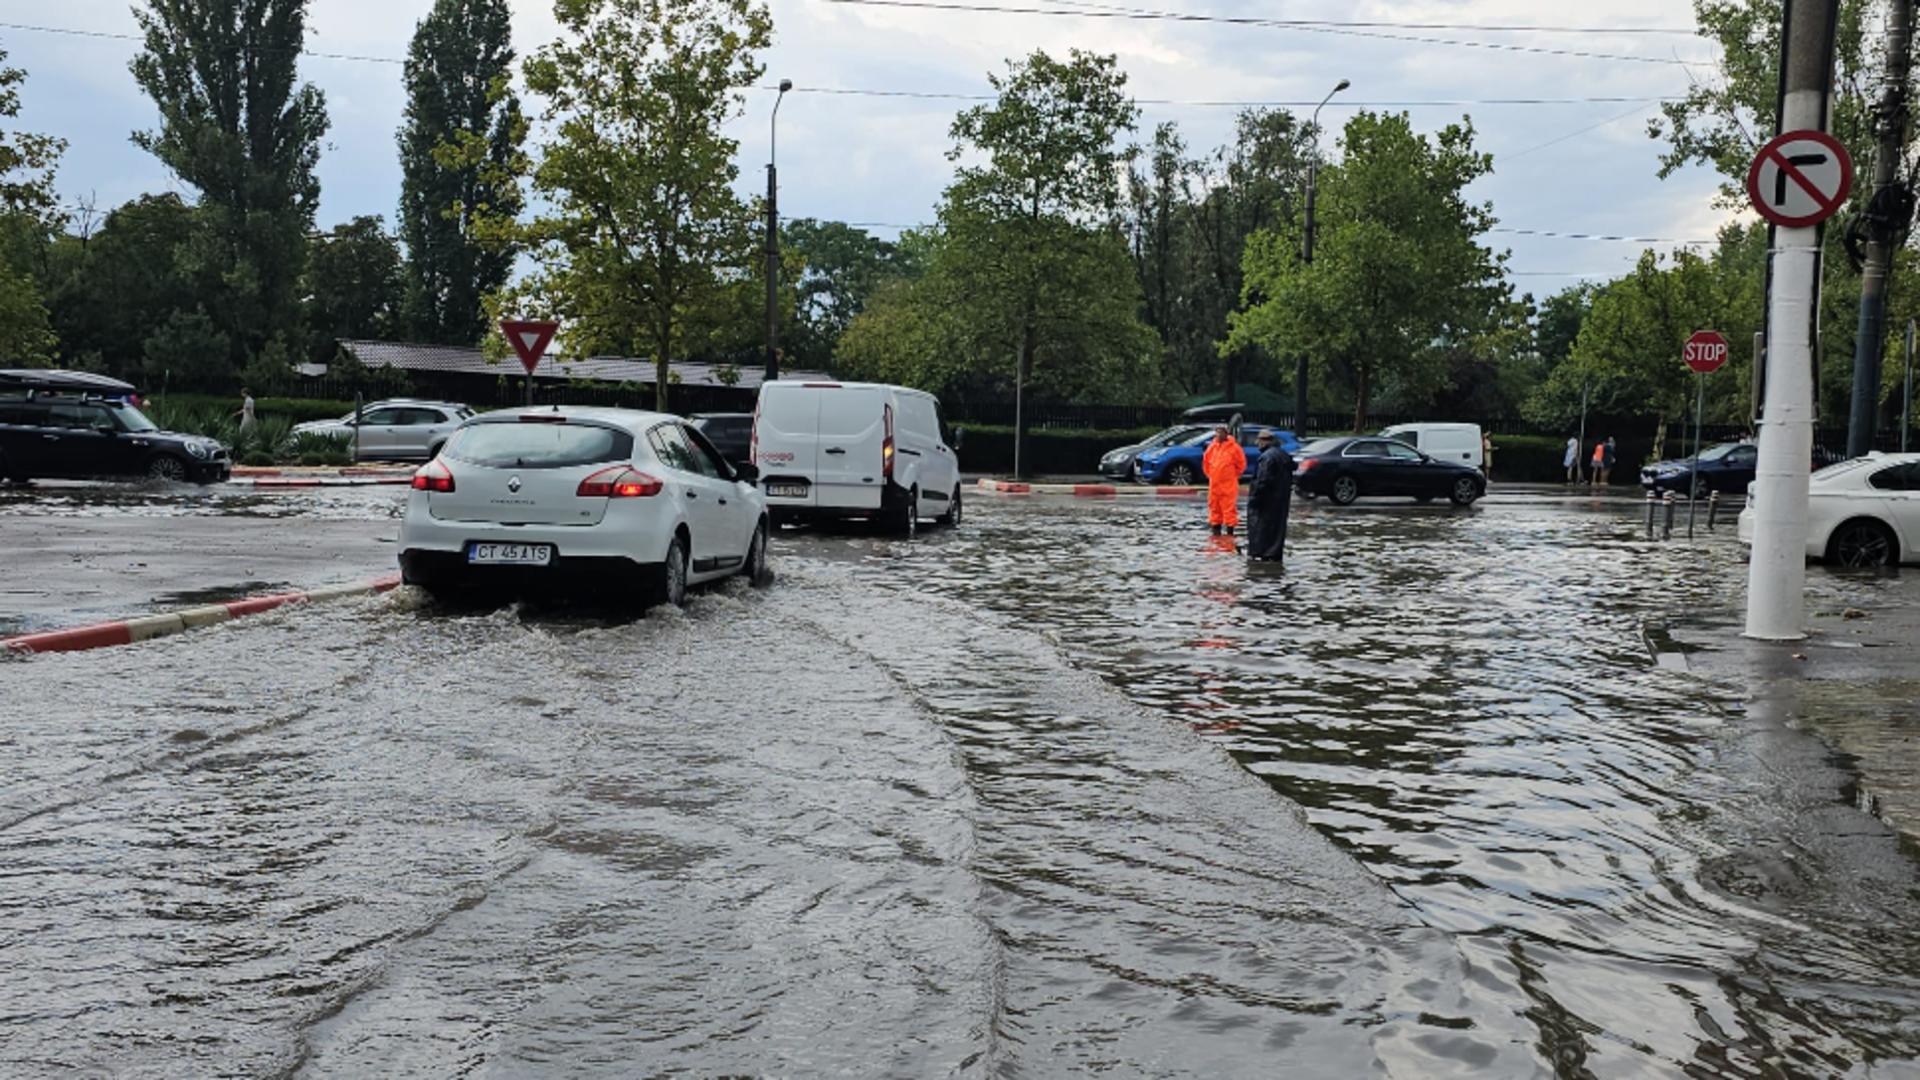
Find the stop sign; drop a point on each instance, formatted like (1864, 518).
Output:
(1706, 350)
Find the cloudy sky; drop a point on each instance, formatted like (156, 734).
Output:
(1571, 166)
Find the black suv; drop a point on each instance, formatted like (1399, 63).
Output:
(730, 433)
(73, 424)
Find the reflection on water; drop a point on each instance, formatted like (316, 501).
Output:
(1002, 802)
(1465, 703)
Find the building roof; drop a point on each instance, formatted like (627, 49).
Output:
(451, 359)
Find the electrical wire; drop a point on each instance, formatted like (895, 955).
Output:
(1135, 14)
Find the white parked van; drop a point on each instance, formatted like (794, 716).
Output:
(1458, 444)
(841, 449)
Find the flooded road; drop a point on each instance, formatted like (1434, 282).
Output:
(1067, 791)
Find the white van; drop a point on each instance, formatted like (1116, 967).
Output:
(1458, 444)
(842, 449)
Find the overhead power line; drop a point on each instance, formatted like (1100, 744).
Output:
(1303, 26)
(1387, 24)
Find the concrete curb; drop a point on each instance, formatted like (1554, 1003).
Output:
(146, 627)
(317, 481)
(1088, 491)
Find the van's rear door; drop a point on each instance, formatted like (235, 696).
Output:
(786, 442)
(850, 473)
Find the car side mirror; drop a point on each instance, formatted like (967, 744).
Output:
(746, 473)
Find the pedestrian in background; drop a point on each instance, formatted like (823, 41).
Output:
(1606, 463)
(1486, 455)
(1597, 465)
(1270, 501)
(245, 411)
(1572, 462)
(1223, 463)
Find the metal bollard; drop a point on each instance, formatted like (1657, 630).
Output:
(1713, 509)
(1653, 501)
(1672, 502)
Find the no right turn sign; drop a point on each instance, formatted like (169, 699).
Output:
(1800, 178)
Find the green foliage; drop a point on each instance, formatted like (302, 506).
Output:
(26, 160)
(186, 346)
(840, 269)
(643, 235)
(110, 291)
(1399, 279)
(460, 160)
(237, 126)
(353, 284)
(292, 410)
(1188, 221)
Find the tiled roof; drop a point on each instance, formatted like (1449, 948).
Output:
(614, 369)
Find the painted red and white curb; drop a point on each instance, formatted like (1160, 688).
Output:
(317, 481)
(1088, 491)
(147, 627)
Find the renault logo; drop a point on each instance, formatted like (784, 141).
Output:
(513, 483)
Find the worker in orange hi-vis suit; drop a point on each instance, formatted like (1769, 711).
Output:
(1223, 464)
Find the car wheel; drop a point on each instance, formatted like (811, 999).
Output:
(167, 467)
(756, 567)
(671, 587)
(1180, 475)
(951, 519)
(1464, 491)
(1345, 490)
(1862, 543)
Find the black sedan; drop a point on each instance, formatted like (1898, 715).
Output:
(1727, 468)
(1363, 465)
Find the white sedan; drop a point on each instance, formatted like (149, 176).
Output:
(1863, 512)
(610, 499)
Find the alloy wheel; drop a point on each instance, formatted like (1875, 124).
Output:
(757, 555)
(166, 467)
(1180, 475)
(1464, 491)
(1345, 490)
(1862, 544)
(677, 573)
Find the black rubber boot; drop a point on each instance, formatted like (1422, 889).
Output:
(1229, 530)
(1216, 530)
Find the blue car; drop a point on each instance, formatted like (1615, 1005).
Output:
(1179, 464)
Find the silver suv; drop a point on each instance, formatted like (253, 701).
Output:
(398, 428)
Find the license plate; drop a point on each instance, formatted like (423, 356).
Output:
(787, 491)
(509, 554)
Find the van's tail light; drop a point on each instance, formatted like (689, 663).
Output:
(753, 436)
(433, 476)
(619, 482)
(886, 443)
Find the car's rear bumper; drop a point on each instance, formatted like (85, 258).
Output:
(629, 532)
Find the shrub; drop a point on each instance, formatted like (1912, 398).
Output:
(313, 458)
(257, 458)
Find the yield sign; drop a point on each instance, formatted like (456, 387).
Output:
(529, 338)
(1705, 351)
(1800, 178)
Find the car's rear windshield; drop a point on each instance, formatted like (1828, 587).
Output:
(1319, 446)
(538, 445)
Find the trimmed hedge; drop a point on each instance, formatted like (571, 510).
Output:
(296, 410)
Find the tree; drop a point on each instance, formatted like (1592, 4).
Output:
(353, 283)
(841, 267)
(125, 280)
(28, 213)
(1032, 245)
(460, 161)
(644, 232)
(27, 160)
(237, 126)
(1399, 275)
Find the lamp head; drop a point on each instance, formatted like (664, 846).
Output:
(1342, 85)
(786, 85)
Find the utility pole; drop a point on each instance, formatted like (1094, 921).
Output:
(1306, 256)
(1777, 570)
(1885, 225)
(773, 237)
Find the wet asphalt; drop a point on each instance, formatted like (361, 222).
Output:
(1067, 790)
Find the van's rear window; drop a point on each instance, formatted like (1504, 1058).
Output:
(538, 446)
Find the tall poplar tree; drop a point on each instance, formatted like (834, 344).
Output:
(236, 123)
(459, 161)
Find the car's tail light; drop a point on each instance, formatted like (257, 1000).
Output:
(886, 443)
(1307, 463)
(433, 476)
(619, 482)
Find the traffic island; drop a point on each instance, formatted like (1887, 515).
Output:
(1086, 491)
(147, 627)
(320, 476)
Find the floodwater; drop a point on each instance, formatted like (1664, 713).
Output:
(1070, 790)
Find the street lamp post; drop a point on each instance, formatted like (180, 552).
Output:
(1306, 256)
(773, 237)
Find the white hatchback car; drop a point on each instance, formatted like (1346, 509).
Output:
(604, 497)
(1863, 512)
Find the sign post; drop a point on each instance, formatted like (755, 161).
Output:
(1704, 352)
(1798, 179)
(529, 338)
(1906, 400)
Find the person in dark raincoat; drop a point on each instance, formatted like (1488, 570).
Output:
(1270, 501)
